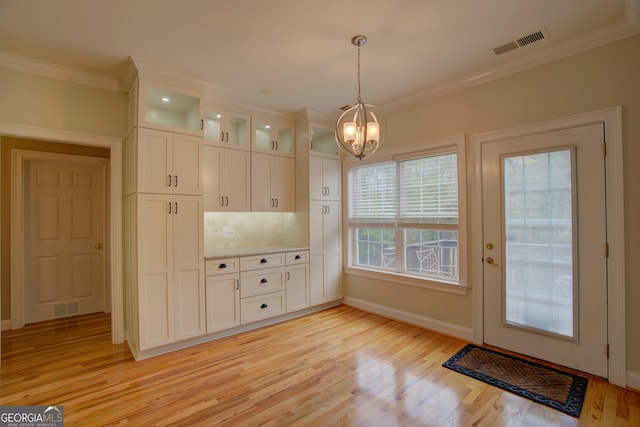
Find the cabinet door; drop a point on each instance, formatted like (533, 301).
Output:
(237, 180)
(273, 137)
(188, 266)
(187, 165)
(236, 131)
(155, 161)
(223, 302)
(283, 183)
(331, 227)
(297, 277)
(324, 178)
(213, 174)
(332, 274)
(155, 271)
(316, 182)
(316, 278)
(261, 199)
(331, 178)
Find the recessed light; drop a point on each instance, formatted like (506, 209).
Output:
(165, 99)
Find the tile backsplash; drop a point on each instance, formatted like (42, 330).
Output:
(250, 229)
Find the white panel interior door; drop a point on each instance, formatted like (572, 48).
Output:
(65, 258)
(544, 228)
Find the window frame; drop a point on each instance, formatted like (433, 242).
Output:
(452, 144)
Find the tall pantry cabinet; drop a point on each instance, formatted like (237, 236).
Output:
(164, 210)
(320, 169)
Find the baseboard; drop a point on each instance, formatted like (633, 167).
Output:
(5, 325)
(633, 380)
(435, 325)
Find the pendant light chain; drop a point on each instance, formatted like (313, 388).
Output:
(359, 99)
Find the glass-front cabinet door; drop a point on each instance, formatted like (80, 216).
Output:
(273, 137)
(162, 107)
(226, 128)
(323, 141)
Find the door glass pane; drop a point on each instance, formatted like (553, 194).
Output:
(539, 241)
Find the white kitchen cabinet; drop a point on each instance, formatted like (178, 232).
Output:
(323, 141)
(272, 137)
(160, 106)
(297, 277)
(324, 178)
(222, 294)
(160, 162)
(170, 293)
(325, 251)
(226, 128)
(227, 179)
(262, 291)
(272, 183)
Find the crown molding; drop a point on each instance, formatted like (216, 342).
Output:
(55, 71)
(600, 37)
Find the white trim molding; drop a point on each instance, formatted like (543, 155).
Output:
(55, 71)
(633, 380)
(616, 318)
(115, 185)
(435, 325)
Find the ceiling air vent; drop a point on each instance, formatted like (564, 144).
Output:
(522, 41)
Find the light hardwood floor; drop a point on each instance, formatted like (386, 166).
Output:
(338, 367)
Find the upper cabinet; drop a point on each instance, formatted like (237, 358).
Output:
(323, 141)
(163, 107)
(160, 162)
(226, 128)
(273, 137)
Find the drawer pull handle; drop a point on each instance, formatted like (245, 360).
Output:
(223, 265)
(297, 257)
(264, 305)
(263, 261)
(263, 281)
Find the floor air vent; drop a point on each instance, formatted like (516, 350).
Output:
(522, 41)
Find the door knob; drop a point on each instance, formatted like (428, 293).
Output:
(491, 261)
(98, 246)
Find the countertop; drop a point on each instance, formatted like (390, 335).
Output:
(238, 252)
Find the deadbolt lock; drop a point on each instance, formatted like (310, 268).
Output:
(489, 246)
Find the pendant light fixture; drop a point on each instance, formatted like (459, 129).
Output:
(358, 131)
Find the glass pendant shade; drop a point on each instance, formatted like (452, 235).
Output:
(358, 131)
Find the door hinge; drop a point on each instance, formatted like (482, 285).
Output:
(604, 144)
(606, 250)
(608, 350)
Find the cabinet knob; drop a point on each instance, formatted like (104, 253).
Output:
(263, 261)
(297, 257)
(223, 265)
(264, 305)
(263, 281)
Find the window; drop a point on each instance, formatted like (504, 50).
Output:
(406, 218)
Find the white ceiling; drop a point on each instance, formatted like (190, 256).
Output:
(299, 51)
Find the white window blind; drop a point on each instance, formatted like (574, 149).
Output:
(372, 193)
(428, 190)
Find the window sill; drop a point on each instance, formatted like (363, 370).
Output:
(408, 280)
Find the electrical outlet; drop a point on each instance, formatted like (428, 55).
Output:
(228, 233)
(394, 292)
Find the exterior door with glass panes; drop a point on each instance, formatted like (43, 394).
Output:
(544, 230)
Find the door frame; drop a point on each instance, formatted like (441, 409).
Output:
(19, 159)
(616, 319)
(115, 215)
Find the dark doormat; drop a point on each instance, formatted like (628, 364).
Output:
(557, 389)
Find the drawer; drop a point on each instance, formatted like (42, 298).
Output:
(221, 266)
(299, 257)
(258, 282)
(262, 307)
(262, 261)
